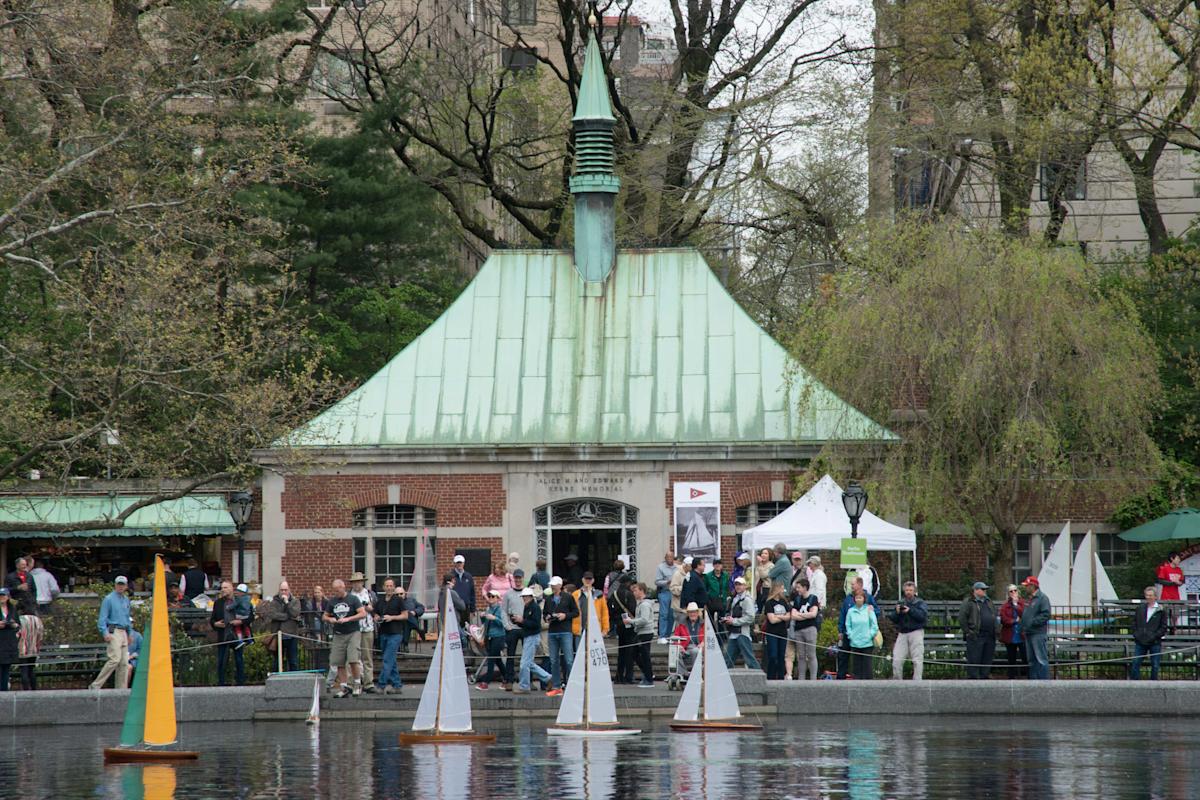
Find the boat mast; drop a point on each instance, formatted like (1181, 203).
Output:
(437, 714)
(587, 662)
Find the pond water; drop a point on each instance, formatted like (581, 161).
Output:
(862, 758)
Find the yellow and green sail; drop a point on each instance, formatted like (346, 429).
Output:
(150, 715)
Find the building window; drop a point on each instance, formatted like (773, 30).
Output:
(519, 12)
(360, 556)
(758, 513)
(395, 558)
(1022, 555)
(1052, 172)
(1113, 550)
(914, 182)
(337, 75)
(395, 516)
(520, 60)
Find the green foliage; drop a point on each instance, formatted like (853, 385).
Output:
(1015, 383)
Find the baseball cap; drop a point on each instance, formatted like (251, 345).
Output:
(518, 573)
(3, 591)
(556, 581)
(1030, 581)
(460, 559)
(687, 559)
(692, 607)
(122, 579)
(241, 587)
(741, 556)
(572, 557)
(980, 585)
(527, 592)
(797, 554)
(493, 593)
(740, 579)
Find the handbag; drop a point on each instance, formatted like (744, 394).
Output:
(268, 641)
(878, 638)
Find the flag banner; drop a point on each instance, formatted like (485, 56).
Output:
(698, 520)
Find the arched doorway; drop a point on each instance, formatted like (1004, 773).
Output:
(597, 531)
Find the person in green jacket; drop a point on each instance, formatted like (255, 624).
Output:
(717, 584)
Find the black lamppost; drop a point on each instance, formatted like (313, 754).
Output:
(241, 504)
(854, 500)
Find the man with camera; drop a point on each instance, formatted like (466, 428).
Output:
(909, 617)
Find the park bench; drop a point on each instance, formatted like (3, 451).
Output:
(70, 662)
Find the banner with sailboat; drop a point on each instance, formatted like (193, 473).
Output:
(698, 520)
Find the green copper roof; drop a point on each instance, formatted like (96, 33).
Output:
(593, 100)
(530, 354)
(194, 515)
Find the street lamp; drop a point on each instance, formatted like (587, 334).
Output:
(854, 500)
(241, 504)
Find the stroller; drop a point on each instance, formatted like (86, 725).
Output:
(476, 652)
(677, 672)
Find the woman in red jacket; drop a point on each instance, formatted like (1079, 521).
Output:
(1010, 632)
(1170, 578)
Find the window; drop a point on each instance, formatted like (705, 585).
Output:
(1113, 550)
(758, 513)
(360, 556)
(1022, 568)
(337, 75)
(519, 12)
(395, 516)
(914, 182)
(520, 59)
(395, 558)
(1054, 171)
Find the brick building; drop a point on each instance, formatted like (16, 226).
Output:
(550, 410)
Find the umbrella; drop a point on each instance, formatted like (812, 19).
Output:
(1182, 523)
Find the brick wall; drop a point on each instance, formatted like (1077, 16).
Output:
(946, 556)
(312, 562)
(229, 549)
(737, 489)
(329, 501)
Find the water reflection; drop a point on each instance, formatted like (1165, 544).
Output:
(862, 758)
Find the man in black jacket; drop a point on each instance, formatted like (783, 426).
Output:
(977, 617)
(694, 589)
(530, 623)
(560, 609)
(1151, 623)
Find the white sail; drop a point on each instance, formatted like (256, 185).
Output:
(423, 586)
(720, 699)
(589, 695)
(689, 703)
(698, 536)
(1055, 576)
(314, 711)
(1083, 573)
(445, 700)
(1104, 587)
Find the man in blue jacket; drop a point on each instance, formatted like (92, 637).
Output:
(843, 657)
(115, 626)
(464, 586)
(909, 617)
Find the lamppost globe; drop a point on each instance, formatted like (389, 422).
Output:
(854, 500)
(241, 505)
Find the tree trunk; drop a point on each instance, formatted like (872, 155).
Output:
(1000, 550)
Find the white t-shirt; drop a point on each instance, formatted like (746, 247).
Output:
(367, 623)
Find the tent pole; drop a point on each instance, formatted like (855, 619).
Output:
(914, 552)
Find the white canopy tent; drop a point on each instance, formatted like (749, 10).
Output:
(818, 521)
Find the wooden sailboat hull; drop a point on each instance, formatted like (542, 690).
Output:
(700, 726)
(443, 738)
(581, 731)
(126, 755)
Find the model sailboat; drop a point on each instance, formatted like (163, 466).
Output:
(588, 706)
(1081, 581)
(150, 716)
(709, 701)
(314, 710)
(444, 713)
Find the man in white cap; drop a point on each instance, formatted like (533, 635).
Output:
(739, 621)
(690, 634)
(464, 585)
(369, 600)
(530, 623)
(740, 568)
(115, 625)
(560, 609)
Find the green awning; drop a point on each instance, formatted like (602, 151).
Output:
(195, 515)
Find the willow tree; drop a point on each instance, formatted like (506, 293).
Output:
(1017, 384)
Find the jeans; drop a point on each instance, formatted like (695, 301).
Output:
(390, 674)
(980, 652)
(626, 644)
(740, 646)
(1140, 650)
(1039, 660)
(529, 647)
(775, 647)
(495, 660)
(511, 637)
(643, 657)
(291, 652)
(239, 663)
(806, 649)
(665, 614)
(4, 670)
(1016, 656)
(909, 645)
(843, 656)
(561, 644)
